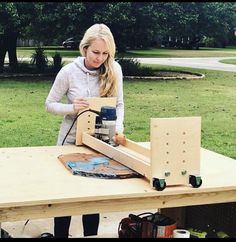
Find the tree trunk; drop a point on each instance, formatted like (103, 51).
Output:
(8, 44)
(3, 51)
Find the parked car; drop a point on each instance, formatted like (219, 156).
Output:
(70, 43)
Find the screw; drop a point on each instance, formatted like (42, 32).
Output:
(167, 173)
(183, 172)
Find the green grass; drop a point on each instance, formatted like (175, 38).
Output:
(165, 52)
(228, 61)
(157, 52)
(24, 121)
(212, 98)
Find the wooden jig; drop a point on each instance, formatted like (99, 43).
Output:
(173, 157)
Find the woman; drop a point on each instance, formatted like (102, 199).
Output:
(94, 74)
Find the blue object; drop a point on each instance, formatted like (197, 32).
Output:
(108, 113)
(78, 166)
(87, 165)
(99, 160)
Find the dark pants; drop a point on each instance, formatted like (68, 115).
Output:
(62, 224)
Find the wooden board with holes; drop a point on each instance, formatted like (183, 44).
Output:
(86, 121)
(175, 148)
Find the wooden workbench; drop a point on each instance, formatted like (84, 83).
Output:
(35, 184)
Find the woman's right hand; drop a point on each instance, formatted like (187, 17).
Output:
(120, 138)
(80, 103)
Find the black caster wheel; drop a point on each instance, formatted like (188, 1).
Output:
(159, 184)
(195, 181)
(5, 234)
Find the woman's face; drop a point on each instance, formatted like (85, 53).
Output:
(96, 54)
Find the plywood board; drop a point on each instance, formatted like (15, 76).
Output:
(86, 122)
(34, 184)
(175, 148)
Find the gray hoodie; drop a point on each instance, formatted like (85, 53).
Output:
(75, 80)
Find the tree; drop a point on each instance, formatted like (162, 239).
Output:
(9, 23)
(222, 17)
(56, 21)
(134, 24)
(15, 21)
(146, 28)
(190, 22)
(119, 19)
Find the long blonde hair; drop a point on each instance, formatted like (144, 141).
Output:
(107, 77)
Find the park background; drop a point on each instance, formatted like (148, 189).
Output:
(31, 31)
(152, 29)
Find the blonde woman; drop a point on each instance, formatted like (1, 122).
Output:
(94, 74)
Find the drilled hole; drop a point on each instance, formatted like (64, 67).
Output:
(167, 143)
(184, 142)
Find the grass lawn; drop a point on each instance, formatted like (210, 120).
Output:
(165, 53)
(24, 121)
(229, 61)
(157, 52)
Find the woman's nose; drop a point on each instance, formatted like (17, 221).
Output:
(100, 57)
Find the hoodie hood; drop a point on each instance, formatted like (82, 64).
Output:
(79, 62)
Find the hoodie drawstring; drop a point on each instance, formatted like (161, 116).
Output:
(88, 88)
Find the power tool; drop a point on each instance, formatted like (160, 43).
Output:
(105, 125)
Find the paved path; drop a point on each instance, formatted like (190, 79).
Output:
(211, 63)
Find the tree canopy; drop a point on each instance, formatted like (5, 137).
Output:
(134, 24)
